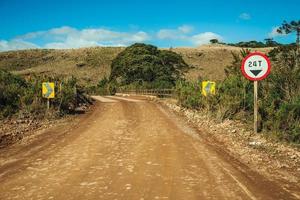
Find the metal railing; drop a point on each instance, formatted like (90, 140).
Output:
(150, 92)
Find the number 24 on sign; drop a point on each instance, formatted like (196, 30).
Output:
(254, 63)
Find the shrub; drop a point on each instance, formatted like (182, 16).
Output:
(148, 66)
(11, 89)
(24, 97)
(106, 87)
(189, 94)
(68, 95)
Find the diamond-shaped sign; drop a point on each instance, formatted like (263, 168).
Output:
(48, 90)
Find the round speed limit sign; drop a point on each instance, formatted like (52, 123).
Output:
(256, 66)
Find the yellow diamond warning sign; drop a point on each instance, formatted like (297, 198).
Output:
(48, 90)
(208, 87)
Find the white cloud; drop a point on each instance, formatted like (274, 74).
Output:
(185, 28)
(245, 16)
(16, 44)
(204, 38)
(182, 33)
(140, 36)
(274, 33)
(178, 33)
(168, 34)
(62, 30)
(68, 37)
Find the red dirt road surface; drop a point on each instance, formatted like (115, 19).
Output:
(128, 149)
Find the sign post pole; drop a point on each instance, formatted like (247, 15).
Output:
(255, 107)
(48, 103)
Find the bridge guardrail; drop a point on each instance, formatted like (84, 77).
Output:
(151, 92)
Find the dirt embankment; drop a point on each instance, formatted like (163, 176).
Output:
(14, 128)
(276, 160)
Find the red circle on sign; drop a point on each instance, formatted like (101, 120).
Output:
(256, 54)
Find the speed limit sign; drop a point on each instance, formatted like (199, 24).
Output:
(256, 66)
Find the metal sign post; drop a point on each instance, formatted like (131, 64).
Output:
(255, 107)
(256, 67)
(48, 104)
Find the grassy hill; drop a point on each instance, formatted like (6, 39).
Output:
(209, 61)
(89, 65)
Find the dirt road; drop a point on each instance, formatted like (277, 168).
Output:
(128, 149)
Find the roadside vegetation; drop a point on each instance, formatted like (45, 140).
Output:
(279, 95)
(20, 97)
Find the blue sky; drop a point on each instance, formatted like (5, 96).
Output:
(72, 24)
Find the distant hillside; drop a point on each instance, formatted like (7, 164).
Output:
(209, 61)
(87, 64)
(91, 64)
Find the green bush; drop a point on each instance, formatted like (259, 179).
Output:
(281, 94)
(189, 94)
(147, 66)
(68, 95)
(11, 89)
(235, 93)
(106, 87)
(24, 97)
(288, 120)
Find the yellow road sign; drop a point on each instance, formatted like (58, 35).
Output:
(208, 87)
(48, 90)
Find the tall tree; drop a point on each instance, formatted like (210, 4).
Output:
(269, 42)
(290, 27)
